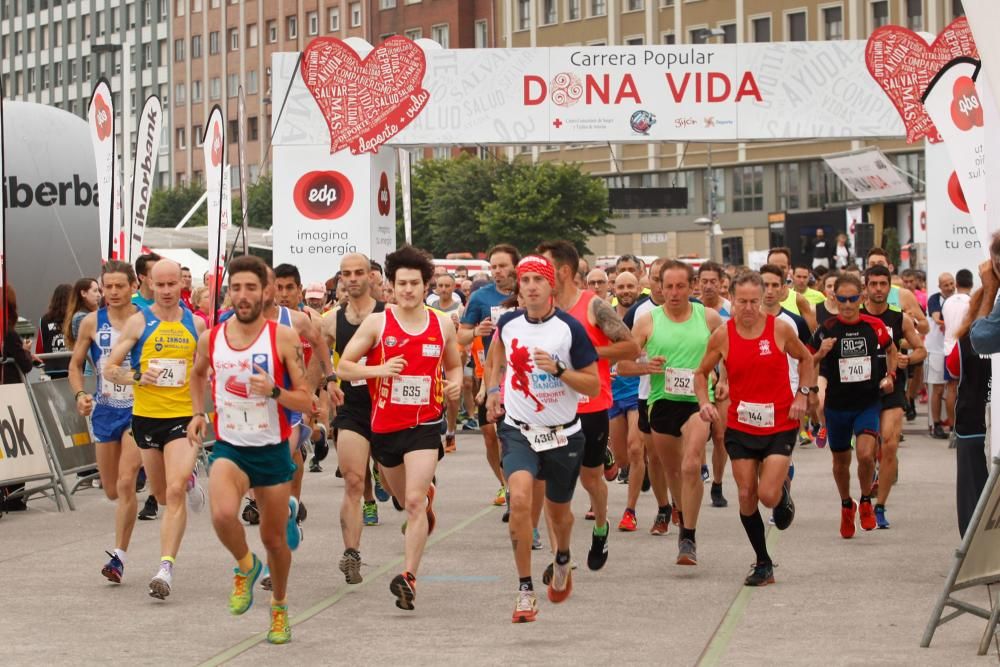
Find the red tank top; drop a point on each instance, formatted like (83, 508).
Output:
(603, 400)
(417, 396)
(759, 389)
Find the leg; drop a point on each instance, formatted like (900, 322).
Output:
(420, 466)
(521, 485)
(865, 449)
(273, 504)
(842, 474)
(773, 472)
(152, 462)
(668, 451)
(618, 436)
(128, 470)
(179, 457)
(369, 492)
(950, 394)
(719, 456)
(654, 468)
(108, 454)
(227, 485)
(745, 472)
(492, 443)
(299, 459)
(891, 425)
(560, 517)
(636, 458)
(352, 456)
(937, 394)
(694, 437)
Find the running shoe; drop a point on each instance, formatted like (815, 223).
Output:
(804, 440)
(148, 511)
(140, 480)
(265, 579)
(598, 554)
(506, 501)
(115, 568)
(449, 444)
(821, 437)
(847, 527)
(500, 499)
(431, 519)
(867, 515)
(610, 465)
(718, 500)
(911, 411)
(250, 513)
(784, 511)
(938, 432)
(623, 475)
(380, 493)
(159, 586)
(470, 425)
(370, 513)
(314, 465)
(589, 516)
(526, 607)
(536, 540)
(280, 632)
(687, 553)
(292, 531)
(241, 598)
(880, 520)
(547, 574)
(705, 476)
(561, 584)
(301, 517)
(403, 586)
(195, 494)
(628, 524)
(761, 574)
(350, 565)
(661, 525)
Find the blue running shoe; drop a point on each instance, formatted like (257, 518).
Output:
(380, 493)
(370, 514)
(536, 540)
(880, 521)
(115, 569)
(292, 531)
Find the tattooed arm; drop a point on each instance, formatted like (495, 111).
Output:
(604, 317)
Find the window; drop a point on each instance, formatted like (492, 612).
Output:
(272, 32)
(634, 5)
(253, 134)
(57, 74)
(179, 50)
(163, 5)
(387, 4)
(598, 7)
(482, 35)
(234, 39)
(728, 33)
(252, 35)
(233, 132)
(213, 43)
(43, 37)
(251, 81)
(147, 55)
(180, 94)
(748, 188)
(72, 72)
(413, 33)
(439, 33)
(70, 31)
(669, 38)
(912, 166)
(215, 88)
(292, 27)
(633, 41)
(232, 84)
(549, 14)
(796, 29)
(915, 14)
(572, 10)
(334, 20)
(196, 6)
(180, 138)
(44, 76)
(29, 40)
(85, 26)
(833, 22)
(523, 14)
(681, 179)
(824, 187)
(788, 186)
(147, 12)
(196, 90)
(716, 179)
(130, 16)
(196, 46)
(181, 6)
(197, 135)
(161, 52)
(312, 20)
(355, 14)
(699, 35)
(214, 4)
(57, 31)
(880, 13)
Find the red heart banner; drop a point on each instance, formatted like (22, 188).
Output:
(365, 102)
(904, 64)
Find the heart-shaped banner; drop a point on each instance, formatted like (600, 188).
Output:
(904, 64)
(365, 102)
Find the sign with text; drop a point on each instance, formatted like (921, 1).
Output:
(868, 174)
(22, 452)
(72, 443)
(953, 242)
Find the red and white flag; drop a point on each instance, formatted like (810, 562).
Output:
(101, 121)
(214, 145)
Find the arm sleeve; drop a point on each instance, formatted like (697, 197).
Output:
(985, 333)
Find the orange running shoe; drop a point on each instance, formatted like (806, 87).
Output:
(662, 524)
(449, 444)
(867, 515)
(561, 574)
(526, 608)
(847, 520)
(628, 523)
(431, 519)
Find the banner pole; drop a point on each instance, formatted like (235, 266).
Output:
(3, 234)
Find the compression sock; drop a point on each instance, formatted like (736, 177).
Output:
(754, 527)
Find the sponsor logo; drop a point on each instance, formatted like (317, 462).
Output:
(956, 195)
(262, 360)
(566, 89)
(15, 442)
(765, 347)
(681, 123)
(384, 200)
(102, 118)
(324, 195)
(641, 121)
(142, 185)
(853, 347)
(17, 194)
(390, 341)
(216, 144)
(604, 88)
(966, 111)
(432, 350)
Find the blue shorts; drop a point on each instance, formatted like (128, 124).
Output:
(109, 424)
(842, 424)
(623, 406)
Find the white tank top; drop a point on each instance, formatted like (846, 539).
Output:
(243, 420)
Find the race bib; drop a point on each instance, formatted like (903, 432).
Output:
(363, 361)
(855, 369)
(411, 390)
(760, 415)
(543, 439)
(679, 381)
(111, 391)
(173, 372)
(245, 415)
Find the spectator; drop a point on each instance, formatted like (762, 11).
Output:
(934, 342)
(200, 299)
(19, 351)
(821, 252)
(631, 263)
(85, 299)
(953, 314)
(842, 253)
(50, 335)
(186, 287)
(985, 333)
(466, 290)
(315, 296)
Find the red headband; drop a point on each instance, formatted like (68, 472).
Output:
(537, 264)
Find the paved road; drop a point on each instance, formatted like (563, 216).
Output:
(837, 602)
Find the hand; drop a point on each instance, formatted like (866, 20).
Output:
(481, 394)
(151, 375)
(314, 410)
(452, 390)
(826, 346)
(336, 393)
(196, 430)
(721, 391)
(799, 407)
(393, 367)
(887, 384)
(261, 383)
(988, 274)
(26, 344)
(494, 411)
(484, 328)
(656, 365)
(544, 361)
(902, 360)
(708, 413)
(85, 405)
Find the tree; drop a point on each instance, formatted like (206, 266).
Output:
(259, 209)
(168, 207)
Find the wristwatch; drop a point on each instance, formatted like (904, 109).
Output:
(560, 368)
(276, 391)
(332, 377)
(805, 391)
(137, 375)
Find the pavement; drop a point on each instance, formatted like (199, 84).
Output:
(862, 601)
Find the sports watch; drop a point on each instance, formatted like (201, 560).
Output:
(560, 368)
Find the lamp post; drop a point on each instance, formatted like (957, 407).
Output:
(125, 48)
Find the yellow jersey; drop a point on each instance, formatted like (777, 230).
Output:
(169, 346)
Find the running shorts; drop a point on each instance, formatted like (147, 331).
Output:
(668, 417)
(264, 466)
(897, 399)
(623, 407)
(740, 445)
(595, 427)
(559, 468)
(935, 368)
(644, 417)
(842, 424)
(155, 433)
(353, 419)
(390, 448)
(109, 424)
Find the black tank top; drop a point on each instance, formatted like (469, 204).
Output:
(893, 321)
(822, 314)
(974, 389)
(355, 395)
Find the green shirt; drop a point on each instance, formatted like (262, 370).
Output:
(683, 345)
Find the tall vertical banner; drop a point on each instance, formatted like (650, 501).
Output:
(214, 145)
(147, 146)
(241, 123)
(3, 234)
(404, 182)
(101, 120)
(952, 240)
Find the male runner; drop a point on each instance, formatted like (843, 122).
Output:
(800, 283)
(675, 337)
(900, 297)
(710, 276)
(250, 358)
(849, 349)
(613, 342)
(549, 360)
(764, 410)
(791, 300)
(406, 348)
(143, 266)
(450, 305)
(353, 420)
(110, 408)
(161, 341)
(878, 280)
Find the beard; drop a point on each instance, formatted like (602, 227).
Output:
(256, 308)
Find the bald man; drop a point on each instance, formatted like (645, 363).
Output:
(597, 282)
(934, 342)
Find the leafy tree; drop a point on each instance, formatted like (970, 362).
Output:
(167, 207)
(259, 209)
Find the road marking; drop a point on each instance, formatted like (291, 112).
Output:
(328, 602)
(719, 643)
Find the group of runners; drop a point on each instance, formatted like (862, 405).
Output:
(653, 370)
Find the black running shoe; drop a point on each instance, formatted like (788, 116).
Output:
(402, 586)
(148, 511)
(911, 411)
(761, 574)
(301, 516)
(938, 432)
(718, 500)
(314, 465)
(250, 513)
(598, 554)
(784, 511)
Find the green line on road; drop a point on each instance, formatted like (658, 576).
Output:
(719, 643)
(326, 603)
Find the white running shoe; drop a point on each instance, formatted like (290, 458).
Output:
(195, 494)
(159, 587)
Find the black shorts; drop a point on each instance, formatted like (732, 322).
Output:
(389, 448)
(559, 468)
(644, 416)
(155, 433)
(357, 420)
(740, 445)
(897, 399)
(668, 417)
(595, 427)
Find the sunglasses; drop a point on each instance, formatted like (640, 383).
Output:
(848, 299)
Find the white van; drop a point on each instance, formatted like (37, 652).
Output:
(474, 266)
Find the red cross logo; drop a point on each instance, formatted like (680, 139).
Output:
(557, 123)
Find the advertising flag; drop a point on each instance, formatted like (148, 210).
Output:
(101, 120)
(241, 122)
(147, 147)
(214, 145)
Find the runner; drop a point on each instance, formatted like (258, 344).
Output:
(764, 410)
(900, 297)
(675, 338)
(613, 342)
(143, 296)
(801, 274)
(110, 408)
(160, 342)
(792, 301)
(549, 360)
(353, 420)
(450, 305)
(849, 349)
(878, 280)
(407, 408)
(250, 358)
(710, 276)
